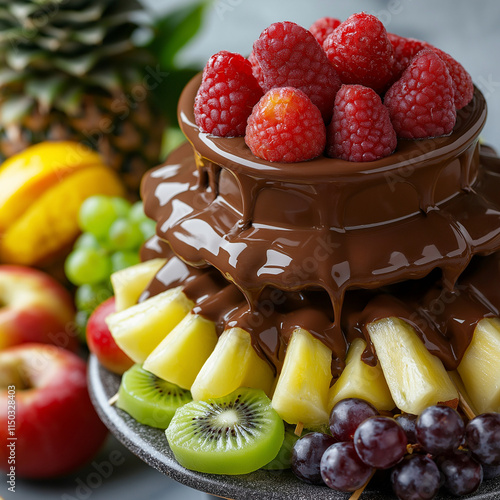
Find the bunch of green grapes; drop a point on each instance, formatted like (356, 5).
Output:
(113, 231)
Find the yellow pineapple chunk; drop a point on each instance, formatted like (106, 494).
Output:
(129, 283)
(182, 353)
(140, 328)
(234, 363)
(301, 393)
(416, 378)
(480, 366)
(359, 380)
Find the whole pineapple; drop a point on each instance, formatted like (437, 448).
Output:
(69, 70)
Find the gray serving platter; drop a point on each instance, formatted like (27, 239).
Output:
(151, 446)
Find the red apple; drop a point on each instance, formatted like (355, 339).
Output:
(48, 426)
(34, 307)
(101, 342)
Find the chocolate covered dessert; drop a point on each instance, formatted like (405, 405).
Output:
(320, 265)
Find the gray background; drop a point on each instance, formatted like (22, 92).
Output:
(467, 30)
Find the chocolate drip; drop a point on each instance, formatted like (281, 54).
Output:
(327, 236)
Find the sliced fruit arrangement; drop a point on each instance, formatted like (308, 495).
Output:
(112, 232)
(43, 188)
(377, 86)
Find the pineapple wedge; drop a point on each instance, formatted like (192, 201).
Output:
(301, 393)
(129, 283)
(140, 328)
(480, 366)
(359, 380)
(182, 353)
(416, 378)
(234, 363)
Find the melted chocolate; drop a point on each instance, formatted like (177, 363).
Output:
(296, 238)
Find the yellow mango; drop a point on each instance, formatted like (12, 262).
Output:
(26, 175)
(50, 223)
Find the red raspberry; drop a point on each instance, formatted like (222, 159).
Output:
(256, 69)
(421, 102)
(361, 128)
(226, 96)
(406, 48)
(286, 126)
(361, 52)
(290, 56)
(323, 27)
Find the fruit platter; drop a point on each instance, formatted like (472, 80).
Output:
(304, 299)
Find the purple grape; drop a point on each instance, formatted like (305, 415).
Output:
(347, 414)
(407, 421)
(482, 436)
(306, 456)
(341, 468)
(380, 442)
(417, 477)
(462, 473)
(439, 429)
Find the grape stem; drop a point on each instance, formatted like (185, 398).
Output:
(359, 491)
(465, 406)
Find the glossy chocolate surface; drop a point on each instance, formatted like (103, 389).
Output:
(271, 246)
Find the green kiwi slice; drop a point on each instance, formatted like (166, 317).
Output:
(283, 460)
(149, 399)
(235, 434)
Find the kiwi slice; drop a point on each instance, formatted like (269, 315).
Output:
(283, 460)
(236, 434)
(149, 399)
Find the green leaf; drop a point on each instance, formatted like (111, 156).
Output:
(15, 109)
(175, 30)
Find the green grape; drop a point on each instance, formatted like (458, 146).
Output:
(122, 206)
(87, 240)
(89, 296)
(136, 213)
(148, 228)
(87, 265)
(124, 235)
(96, 215)
(122, 260)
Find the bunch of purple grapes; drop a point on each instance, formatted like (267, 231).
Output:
(422, 454)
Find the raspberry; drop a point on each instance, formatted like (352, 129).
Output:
(290, 56)
(361, 128)
(256, 69)
(361, 52)
(421, 102)
(323, 27)
(226, 96)
(286, 126)
(406, 48)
